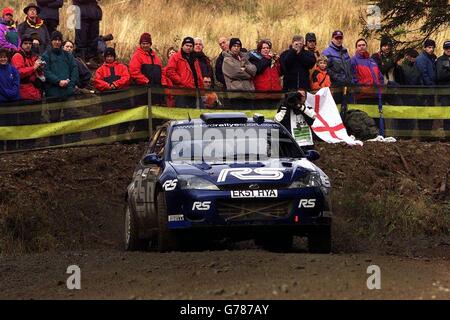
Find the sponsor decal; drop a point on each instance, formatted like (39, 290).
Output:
(307, 203)
(170, 185)
(252, 174)
(175, 218)
(246, 194)
(201, 206)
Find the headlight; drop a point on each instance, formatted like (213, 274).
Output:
(312, 179)
(190, 182)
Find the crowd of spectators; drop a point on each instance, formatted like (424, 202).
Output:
(36, 62)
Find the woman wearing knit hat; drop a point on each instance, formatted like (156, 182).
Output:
(9, 36)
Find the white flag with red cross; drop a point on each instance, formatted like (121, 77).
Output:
(328, 125)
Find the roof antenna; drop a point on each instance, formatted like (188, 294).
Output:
(189, 117)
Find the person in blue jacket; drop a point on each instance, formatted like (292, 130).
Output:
(426, 63)
(9, 79)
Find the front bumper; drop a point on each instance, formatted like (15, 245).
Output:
(207, 209)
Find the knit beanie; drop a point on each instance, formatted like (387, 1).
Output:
(234, 41)
(310, 37)
(429, 43)
(110, 52)
(56, 35)
(385, 40)
(188, 40)
(145, 37)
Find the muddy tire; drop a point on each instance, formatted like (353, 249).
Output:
(166, 239)
(319, 241)
(132, 240)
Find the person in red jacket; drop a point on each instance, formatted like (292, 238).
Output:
(166, 82)
(145, 65)
(366, 74)
(184, 71)
(268, 68)
(30, 68)
(112, 75)
(320, 77)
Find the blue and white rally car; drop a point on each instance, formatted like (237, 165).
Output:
(227, 176)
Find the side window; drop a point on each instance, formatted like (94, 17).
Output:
(161, 142)
(153, 140)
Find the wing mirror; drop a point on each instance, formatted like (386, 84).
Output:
(152, 158)
(312, 155)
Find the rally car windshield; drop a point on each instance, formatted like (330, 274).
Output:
(215, 144)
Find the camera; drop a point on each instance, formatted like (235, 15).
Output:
(293, 99)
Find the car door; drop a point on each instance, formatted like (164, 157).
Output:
(147, 177)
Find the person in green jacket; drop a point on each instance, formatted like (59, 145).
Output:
(61, 70)
(61, 74)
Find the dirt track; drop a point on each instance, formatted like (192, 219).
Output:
(238, 274)
(67, 204)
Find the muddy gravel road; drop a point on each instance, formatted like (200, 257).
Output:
(222, 274)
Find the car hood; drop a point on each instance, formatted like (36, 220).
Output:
(271, 172)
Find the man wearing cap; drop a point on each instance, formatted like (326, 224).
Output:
(61, 70)
(145, 65)
(407, 73)
(237, 69)
(184, 71)
(311, 44)
(112, 75)
(385, 58)
(224, 46)
(86, 37)
(31, 70)
(443, 67)
(339, 65)
(426, 62)
(295, 65)
(50, 13)
(9, 36)
(34, 24)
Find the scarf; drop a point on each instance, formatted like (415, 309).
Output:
(36, 25)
